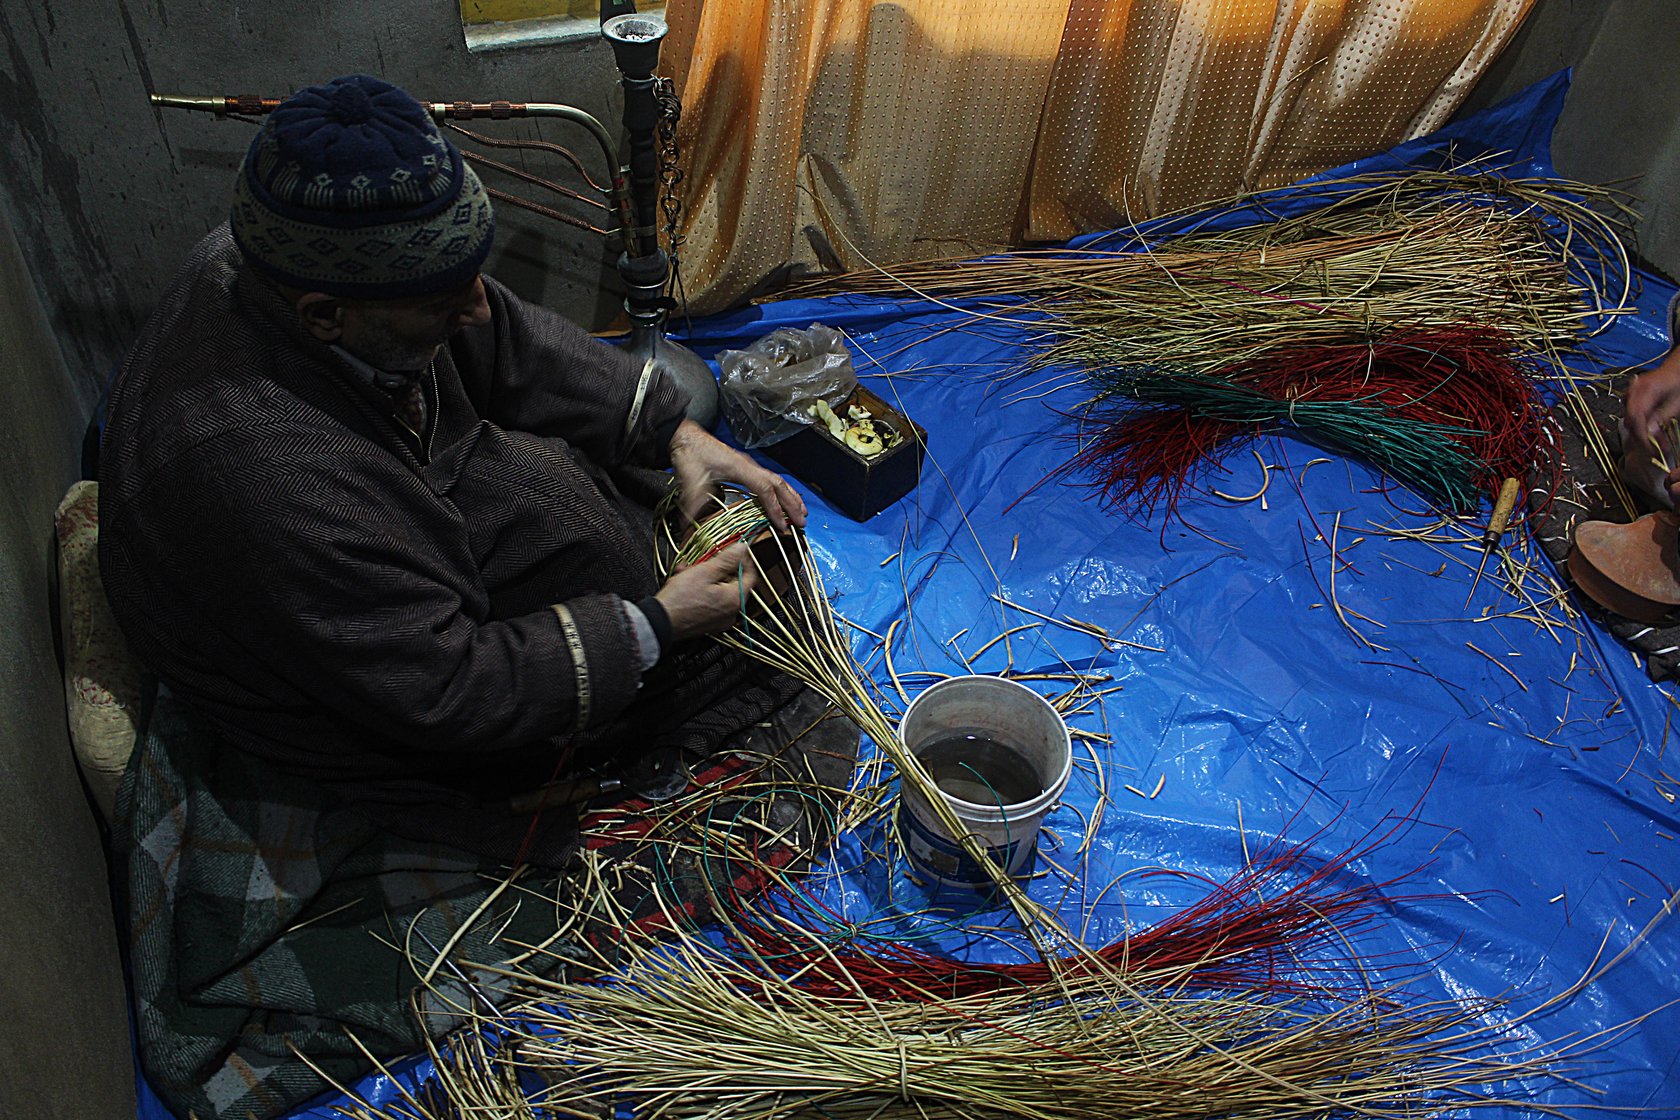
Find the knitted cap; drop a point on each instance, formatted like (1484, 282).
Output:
(348, 189)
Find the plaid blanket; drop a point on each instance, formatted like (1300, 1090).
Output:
(266, 920)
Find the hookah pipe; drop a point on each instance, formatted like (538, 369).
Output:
(633, 195)
(644, 265)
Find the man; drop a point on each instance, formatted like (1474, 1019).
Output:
(386, 533)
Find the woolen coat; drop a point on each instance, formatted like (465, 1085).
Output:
(414, 622)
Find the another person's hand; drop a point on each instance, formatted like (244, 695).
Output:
(701, 461)
(1653, 400)
(707, 597)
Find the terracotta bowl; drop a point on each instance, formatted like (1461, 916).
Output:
(1632, 569)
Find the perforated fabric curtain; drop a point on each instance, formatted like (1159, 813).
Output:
(837, 133)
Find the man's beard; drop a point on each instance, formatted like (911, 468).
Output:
(384, 349)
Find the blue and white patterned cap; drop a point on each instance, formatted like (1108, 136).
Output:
(349, 189)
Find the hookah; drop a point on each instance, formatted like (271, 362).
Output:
(644, 265)
(650, 110)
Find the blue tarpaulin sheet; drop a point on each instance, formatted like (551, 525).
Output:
(1515, 772)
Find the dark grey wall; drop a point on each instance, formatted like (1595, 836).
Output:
(107, 194)
(64, 1035)
(100, 198)
(1622, 118)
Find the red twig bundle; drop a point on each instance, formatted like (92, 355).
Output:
(1284, 924)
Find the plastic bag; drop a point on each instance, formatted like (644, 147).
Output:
(768, 389)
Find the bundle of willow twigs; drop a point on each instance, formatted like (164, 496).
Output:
(795, 630)
(1181, 1029)
(1535, 257)
(1170, 314)
(1213, 1016)
(689, 1033)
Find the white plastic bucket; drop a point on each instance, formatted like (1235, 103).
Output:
(1001, 756)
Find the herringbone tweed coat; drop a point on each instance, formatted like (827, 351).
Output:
(416, 626)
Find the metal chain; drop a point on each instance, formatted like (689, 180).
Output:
(670, 174)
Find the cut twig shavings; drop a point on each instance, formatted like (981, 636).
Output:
(892, 673)
(1087, 628)
(1099, 805)
(1265, 481)
(976, 655)
(1662, 746)
(1506, 669)
(849, 624)
(1366, 618)
(1533, 584)
(1335, 603)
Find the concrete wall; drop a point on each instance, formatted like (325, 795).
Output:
(106, 194)
(64, 1048)
(1622, 118)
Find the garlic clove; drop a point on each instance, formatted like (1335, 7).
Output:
(833, 423)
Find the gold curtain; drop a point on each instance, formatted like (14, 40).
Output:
(833, 133)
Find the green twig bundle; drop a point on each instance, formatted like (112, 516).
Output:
(1413, 450)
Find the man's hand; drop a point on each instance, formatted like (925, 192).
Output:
(701, 461)
(707, 597)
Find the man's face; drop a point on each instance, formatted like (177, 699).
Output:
(405, 334)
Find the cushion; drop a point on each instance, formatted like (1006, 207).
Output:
(104, 685)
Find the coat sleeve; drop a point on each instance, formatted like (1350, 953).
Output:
(534, 371)
(338, 577)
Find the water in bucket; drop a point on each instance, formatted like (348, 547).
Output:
(972, 766)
